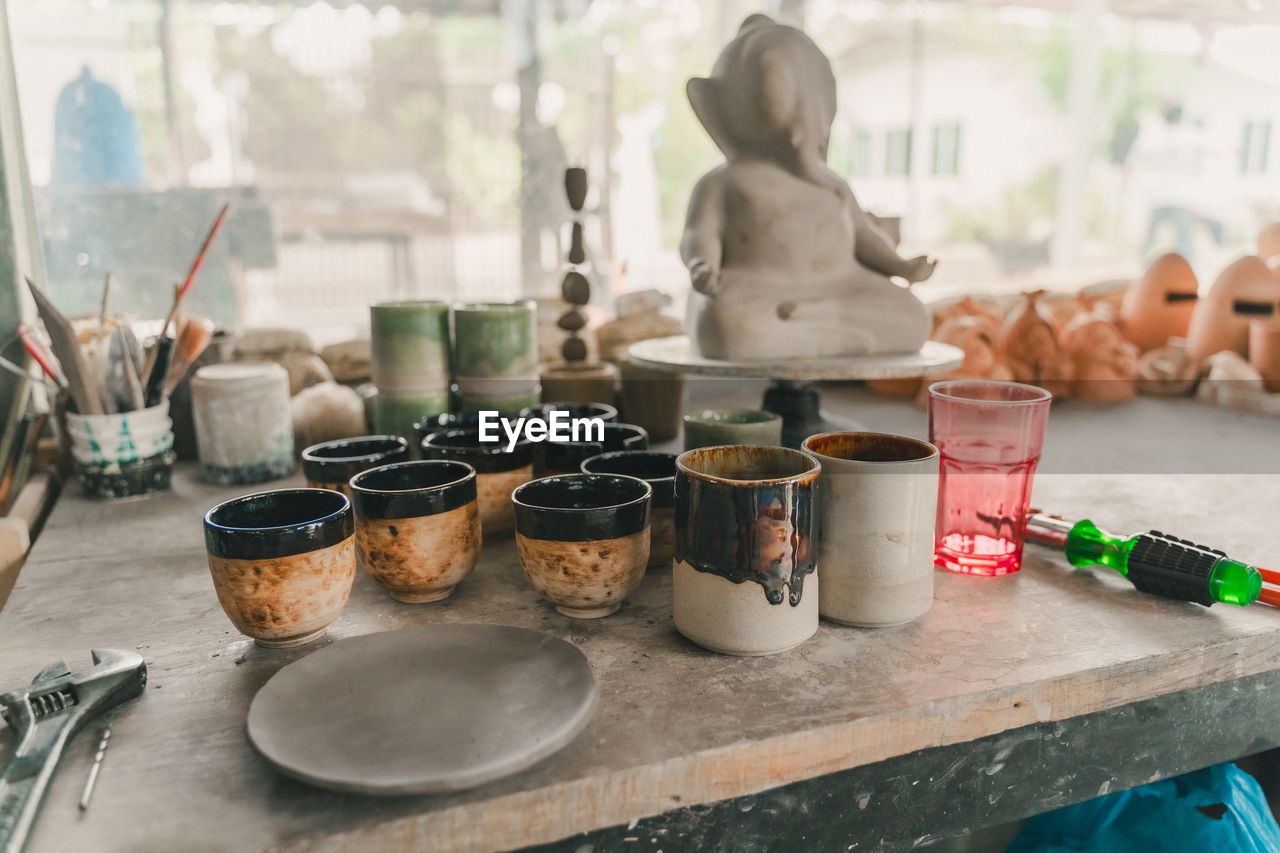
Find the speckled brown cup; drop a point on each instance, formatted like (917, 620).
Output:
(332, 464)
(498, 471)
(417, 527)
(282, 562)
(583, 540)
(659, 471)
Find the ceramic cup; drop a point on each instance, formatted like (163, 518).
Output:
(442, 423)
(583, 540)
(659, 471)
(331, 464)
(282, 562)
(712, 427)
(497, 471)
(877, 505)
(124, 454)
(417, 527)
(625, 437)
(744, 579)
(603, 411)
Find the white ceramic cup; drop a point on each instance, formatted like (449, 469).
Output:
(878, 502)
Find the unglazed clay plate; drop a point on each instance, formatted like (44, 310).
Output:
(423, 710)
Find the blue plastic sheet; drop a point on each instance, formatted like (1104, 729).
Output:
(1219, 809)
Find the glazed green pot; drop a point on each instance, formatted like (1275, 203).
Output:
(507, 403)
(395, 414)
(410, 347)
(495, 339)
(712, 427)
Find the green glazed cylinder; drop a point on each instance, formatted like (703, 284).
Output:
(410, 343)
(395, 414)
(495, 340)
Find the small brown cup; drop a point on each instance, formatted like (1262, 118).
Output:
(659, 471)
(583, 540)
(498, 471)
(332, 464)
(417, 527)
(282, 562)
(1264, 352)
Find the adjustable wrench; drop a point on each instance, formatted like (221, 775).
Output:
(46, 716)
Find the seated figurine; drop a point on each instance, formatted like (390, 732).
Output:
(785, 263)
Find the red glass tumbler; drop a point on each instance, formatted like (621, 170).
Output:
(989, 435)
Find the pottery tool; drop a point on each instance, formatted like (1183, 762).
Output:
(46, 716)
(67, 347)
(122, 384)
(40, 354)
(106, 291)
(1155, 562)
(193, 339)
(181, 294)
(91, 782)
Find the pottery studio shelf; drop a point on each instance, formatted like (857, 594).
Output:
(1011, 696)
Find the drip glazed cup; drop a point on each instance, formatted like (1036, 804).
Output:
(744, 580)
(659, 471)
(583, 540)
(879, 503)
(332, 464)
(417, 527)
(989, 436)
(282, 562)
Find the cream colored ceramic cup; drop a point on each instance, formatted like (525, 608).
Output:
(877, 506)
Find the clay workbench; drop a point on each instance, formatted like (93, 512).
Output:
(1010, 697)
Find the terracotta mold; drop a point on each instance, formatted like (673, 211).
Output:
(1159, 306)
(1245, 291)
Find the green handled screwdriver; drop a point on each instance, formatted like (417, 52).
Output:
(1153, 562)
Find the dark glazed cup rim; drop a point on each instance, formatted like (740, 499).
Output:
(523, 495)
(607, 413)
(633, 455)
(460, 473)
(924, 451)
(684, 460)
(385, 444)
(444, 439)
(328, 523)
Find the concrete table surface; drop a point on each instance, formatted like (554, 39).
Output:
(681, 732)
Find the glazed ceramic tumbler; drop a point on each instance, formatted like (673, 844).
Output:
(417, 527)
(583, 540)
(332, 464)
(989, 436)
(282, 562)
(498, 471)
(711, 427)
(659, 471)
(878, 499)
(744, 579)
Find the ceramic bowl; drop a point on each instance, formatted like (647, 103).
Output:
(583, 540)
(282, 562)
(332, 464)
(712, 427)
(417, 527)
(498, 471)
(659, 471)
(744, 580)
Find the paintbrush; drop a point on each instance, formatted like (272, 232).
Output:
(66, 346)
(47, 361)
(181, 294)
(193, 339)
(106, 291)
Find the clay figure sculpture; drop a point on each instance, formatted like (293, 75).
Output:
(1159, 306)
(785, 264)
(1245, 291)
(979, 336)
(1104, 366)
(1029, 346)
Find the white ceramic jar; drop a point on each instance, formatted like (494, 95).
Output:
(244, 428)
